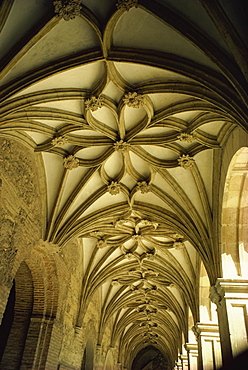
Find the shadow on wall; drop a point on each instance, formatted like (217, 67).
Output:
(239, 362)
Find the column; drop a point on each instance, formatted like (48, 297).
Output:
(184, 361)
(192, 350)
(231, 298)
(208, 345)
(178, 364)
(38, 341)
(98, 361)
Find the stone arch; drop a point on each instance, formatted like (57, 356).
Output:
(89, 349)
(149, 356)
(235, 217)
(22, 305)
(22, 207)
(43, 269)
(88, 357)
(109, 361)
(34, 298)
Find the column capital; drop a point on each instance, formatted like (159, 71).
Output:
(184, 360)
(228, 289)
(207, 329)
(191, 347)
(178, 366)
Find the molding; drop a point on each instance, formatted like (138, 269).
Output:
(191, 348)
(206, 329)
(228, 289)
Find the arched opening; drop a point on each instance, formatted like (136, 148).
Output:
(7, 321)
(17, 319)
(109, 362)
(149, 358)
(235, 218)
(88, 357)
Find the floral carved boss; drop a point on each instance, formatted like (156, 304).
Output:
(126, 154)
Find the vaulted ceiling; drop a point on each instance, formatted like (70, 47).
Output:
(127, 105)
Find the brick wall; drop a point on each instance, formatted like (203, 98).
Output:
(22, 312)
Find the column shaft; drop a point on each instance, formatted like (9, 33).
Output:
(231, 298)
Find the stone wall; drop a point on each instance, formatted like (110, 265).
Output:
(21, 208)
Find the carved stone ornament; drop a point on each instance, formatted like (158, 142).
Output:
(115, 283)
(186, 161)
(143, 187)
(178, 245)
(93, 103)
(127, 4)
(188, 138)
(134, 223)
(196, 331)
(121, 146)
(150, 335)
(130, 256)
(147, 309)
(150, 341)
(101, 243)
(67, 9)
(149, 324)
(215, 296)
(114, 188)
(133, 100)
(59, 141)
(97, 234)
(139, 258)
(147, 305)
(71, 162)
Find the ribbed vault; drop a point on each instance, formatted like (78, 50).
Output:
(127, 109)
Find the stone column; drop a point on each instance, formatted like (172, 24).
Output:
(231, 298)
(178, 364)
(184, 362)
(192, 350)
(208, 345)
(37, 343)
(98, 362)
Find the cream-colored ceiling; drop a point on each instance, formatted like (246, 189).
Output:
(126, 109)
